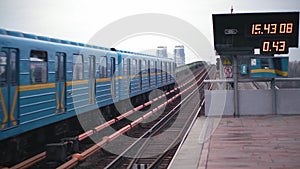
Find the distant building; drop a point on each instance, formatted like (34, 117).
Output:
(179, 55)
(162, 51)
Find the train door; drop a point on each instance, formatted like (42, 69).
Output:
(161, 73)
(140, 74)
(127, 73)
(133, 74)
(149, 73)
(9, 107)
(92, 80)
(169, 71)
(113, 77)
(166, 71)
(155, 73)
(60, 66)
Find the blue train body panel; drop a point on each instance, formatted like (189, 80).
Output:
(45, 80)
(269, 67)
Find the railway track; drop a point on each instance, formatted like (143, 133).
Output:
(35, 161)
(158, 152)
(148, 150)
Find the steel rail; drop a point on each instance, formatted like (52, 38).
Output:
(187, 126)
(150, 131)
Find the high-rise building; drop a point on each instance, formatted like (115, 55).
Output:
(162, 51)
(179, 55)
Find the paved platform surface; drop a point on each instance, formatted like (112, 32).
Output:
(256, 142)
(191, 148)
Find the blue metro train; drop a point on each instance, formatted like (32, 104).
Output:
(269, 67)
(46, 80)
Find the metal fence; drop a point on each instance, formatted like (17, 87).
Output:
(274, 100)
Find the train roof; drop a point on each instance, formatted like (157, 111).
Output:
(66, 42)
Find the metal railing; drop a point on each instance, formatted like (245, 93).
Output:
(271, 86)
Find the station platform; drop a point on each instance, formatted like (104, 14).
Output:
(256, 142)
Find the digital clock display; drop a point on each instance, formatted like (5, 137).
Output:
(272, 33)
(272, 28)
(278, 47)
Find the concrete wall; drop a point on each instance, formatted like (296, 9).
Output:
(252, 102)
(218, 102)
(288, 101)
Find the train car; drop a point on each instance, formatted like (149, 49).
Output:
(46, 80)
(269, 67)
(192, 66)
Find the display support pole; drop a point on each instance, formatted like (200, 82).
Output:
(235, 84)
(273, 88)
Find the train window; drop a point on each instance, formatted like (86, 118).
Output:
(143, 67)
(13, 66)
(60, 66)
(277, 65)
(165, 71)
(134, 67)
(126, 67)
(151, 66)
(168, 67)
(97, 66)
(8, 66)
(127, 72)
(3, 68)
(265, 63)
(77, 67)
(38, 67)
(174, 67)
(103, 67)
(112, 67)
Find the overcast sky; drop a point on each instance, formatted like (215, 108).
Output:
(79, 20)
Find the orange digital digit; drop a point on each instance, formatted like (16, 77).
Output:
(267, 28)
(289, 28)
(266, 46)
(252, 30)
(281, 46)
(282, 28)
(273, 28)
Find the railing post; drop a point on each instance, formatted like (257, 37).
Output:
(273, 88)
(235, 84)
